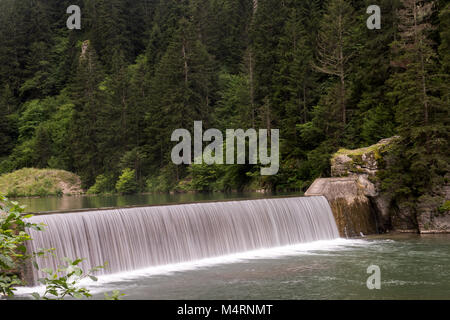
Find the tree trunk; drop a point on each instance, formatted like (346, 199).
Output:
(418, 44)
(252, 89)
(185, 63)
(342, 71)
(342, 93)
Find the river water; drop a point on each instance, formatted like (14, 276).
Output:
(412, 267)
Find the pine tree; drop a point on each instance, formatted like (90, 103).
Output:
(420, 162)
(181, 90)
(266, 32)
(8, 125)
(294, 79)
(88, 99)
(444, 49)
(42, 147)
(335, 47)
(373, 117)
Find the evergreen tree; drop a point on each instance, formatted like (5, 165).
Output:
(88, 98)
(373, 116)
(335, 47)
(420, 161)
(181, 91)
(294, 80)
(8, 125)
(444, 51)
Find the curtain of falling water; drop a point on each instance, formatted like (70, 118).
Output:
(135, 238)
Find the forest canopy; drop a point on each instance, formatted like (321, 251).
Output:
(103, 101)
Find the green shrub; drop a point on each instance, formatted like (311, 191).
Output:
(127, 182)
(6, 166)
(103, 184)
(64, 281)
(165, 181)
(205, 176)
(445, 207)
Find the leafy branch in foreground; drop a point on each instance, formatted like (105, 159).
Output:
(63, 282)
(13, 255)
(115, 295)
(12, 244)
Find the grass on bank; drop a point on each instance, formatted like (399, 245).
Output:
(30, 182)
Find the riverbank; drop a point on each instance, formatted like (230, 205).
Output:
(31, 182)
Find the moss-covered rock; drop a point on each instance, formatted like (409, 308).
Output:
(355, 195)
(367, 160)
(354, 190)
(365, 163)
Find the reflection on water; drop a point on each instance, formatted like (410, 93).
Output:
(107, 201)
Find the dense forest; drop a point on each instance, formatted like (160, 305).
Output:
(103, 101)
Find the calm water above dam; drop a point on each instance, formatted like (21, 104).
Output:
(65, 203)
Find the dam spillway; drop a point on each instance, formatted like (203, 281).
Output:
(136, 238)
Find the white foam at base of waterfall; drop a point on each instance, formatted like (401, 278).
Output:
(161, 236)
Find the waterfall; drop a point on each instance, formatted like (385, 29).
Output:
(136, 238)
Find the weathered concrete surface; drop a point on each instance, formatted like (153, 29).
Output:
(351, 207)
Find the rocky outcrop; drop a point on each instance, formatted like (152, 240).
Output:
(354, 190)
(364, 164)
(433, 216)
(354, 193)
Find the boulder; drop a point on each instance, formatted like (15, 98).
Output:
(354, 193)
(364, 163)
(354, 190)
